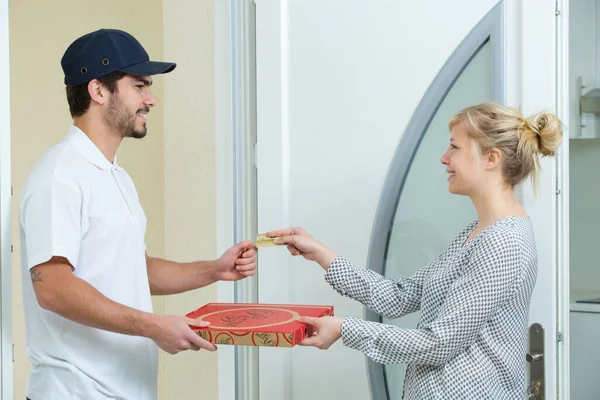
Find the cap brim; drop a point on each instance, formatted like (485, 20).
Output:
(148, 68)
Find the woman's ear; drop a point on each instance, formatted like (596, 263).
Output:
(494, 159)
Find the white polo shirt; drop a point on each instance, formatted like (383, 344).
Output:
(78, 205)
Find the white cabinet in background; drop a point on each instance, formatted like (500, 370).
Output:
(583, 74)
(585, 354)
(586, 113)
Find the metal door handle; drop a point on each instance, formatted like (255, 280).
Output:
(533, 357)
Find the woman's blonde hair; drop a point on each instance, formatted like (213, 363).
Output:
(521, 140)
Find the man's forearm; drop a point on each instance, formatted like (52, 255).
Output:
(168, 277)
(80, 302)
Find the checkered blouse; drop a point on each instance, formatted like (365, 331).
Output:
(470, 342)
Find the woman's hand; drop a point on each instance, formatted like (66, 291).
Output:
(327, 331)
(300, 243)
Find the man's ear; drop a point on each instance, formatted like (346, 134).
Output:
(494, 159)
(97, 91)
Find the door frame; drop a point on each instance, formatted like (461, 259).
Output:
(537, 18)
(235, 132)
(6, 348)
(563, 192)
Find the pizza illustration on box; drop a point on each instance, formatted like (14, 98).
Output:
(251, 324)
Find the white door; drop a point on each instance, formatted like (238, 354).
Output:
(353, 98)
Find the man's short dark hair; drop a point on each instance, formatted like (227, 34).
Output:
(79, 99)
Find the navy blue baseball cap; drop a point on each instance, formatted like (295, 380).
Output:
(108, 50)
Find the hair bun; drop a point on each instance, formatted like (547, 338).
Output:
(546, 130)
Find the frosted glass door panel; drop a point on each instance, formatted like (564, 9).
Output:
(428, 216)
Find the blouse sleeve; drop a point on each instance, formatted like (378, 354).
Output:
(387, 297)
(489, 279)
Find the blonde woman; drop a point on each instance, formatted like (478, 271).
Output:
(474, 298)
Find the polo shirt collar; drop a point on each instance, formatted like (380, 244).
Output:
(88, 149)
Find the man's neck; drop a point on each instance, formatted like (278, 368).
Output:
(105, 139)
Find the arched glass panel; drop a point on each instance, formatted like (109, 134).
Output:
(428, 216)
(417, 216)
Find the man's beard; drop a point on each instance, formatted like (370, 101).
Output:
(119, 118)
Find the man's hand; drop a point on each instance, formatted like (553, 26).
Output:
(173, 334)
(327, 331)
(237, 262)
